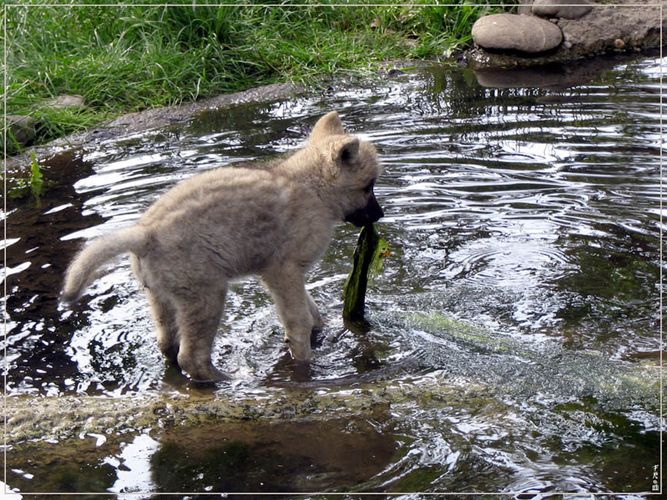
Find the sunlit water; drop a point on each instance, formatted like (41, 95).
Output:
(524, 228)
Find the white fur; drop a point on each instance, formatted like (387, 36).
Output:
(230, 222)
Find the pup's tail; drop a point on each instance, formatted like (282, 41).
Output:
(81, 271)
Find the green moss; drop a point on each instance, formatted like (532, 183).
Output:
(24, 187)
(446, 325)
(417, 480)
(36, 177)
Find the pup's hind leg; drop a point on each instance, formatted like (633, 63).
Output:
(162, 310)
(198, 317)
(287, 287)
(164, 317)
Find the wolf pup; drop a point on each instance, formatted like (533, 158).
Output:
(232, 222)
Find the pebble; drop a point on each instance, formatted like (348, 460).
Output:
(567, 9)
(66, 101)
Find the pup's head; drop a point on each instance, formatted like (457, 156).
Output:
(350, 169)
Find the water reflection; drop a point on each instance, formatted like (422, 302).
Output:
(37, 257)
(244, 457)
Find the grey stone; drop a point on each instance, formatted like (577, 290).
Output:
(624, 25)
(514, 32)
(22, 129)
(525, 7)
(567, 9)
(66, 101)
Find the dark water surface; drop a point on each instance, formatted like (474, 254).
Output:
(524, 226)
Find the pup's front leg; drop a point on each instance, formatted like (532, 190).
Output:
(318, 323)
(287, 286)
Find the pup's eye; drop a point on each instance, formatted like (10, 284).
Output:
(369, 187)
(346, 155)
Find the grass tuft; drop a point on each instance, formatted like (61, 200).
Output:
(124, 58)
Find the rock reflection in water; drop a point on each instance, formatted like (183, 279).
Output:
(245, 457)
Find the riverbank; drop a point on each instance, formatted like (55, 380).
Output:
(124, 59)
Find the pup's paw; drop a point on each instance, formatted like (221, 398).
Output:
(204, 373)
(300, 350)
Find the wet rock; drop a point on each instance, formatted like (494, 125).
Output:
(514, 32)
(22, 130)
(69, 416)
(566, 9)
(164, 117)
(625, 25)
(66, 101)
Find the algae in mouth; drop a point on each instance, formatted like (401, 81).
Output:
(368, 260)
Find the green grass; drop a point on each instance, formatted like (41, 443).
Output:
(128, 58)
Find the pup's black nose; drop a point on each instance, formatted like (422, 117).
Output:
(372, 212)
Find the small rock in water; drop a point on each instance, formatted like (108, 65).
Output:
(514, 32)
(567, 9)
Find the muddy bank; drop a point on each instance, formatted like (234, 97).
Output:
(155, 118)
(49, 418)
(626, 26)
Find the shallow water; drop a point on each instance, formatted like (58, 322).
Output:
(524, 227)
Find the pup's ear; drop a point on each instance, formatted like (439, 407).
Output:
(329, 124)
(345, 151)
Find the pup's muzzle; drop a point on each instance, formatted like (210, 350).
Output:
(372, 212)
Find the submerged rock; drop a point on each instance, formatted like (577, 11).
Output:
(514, 32)
(566, 9)
(66, 416)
